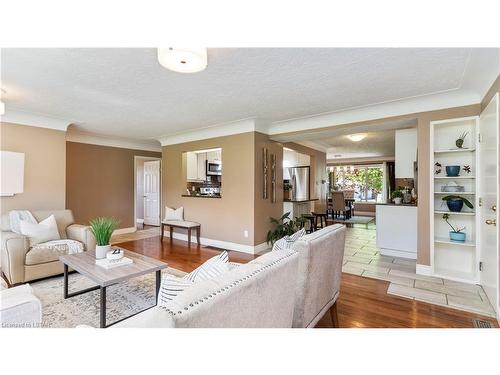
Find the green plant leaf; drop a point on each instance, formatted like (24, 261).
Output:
(465, 200)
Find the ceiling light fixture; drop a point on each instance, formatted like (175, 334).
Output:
(357, 137)
(183, 60)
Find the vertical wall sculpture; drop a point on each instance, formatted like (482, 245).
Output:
(273, 178)
(265, 170)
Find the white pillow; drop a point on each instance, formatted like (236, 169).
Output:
(45, 230)
(171, 287)
(287, 241)
(212, 268)
(174, 214)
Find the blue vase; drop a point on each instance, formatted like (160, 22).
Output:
(452, 170)
(457, 236)
(455, 205)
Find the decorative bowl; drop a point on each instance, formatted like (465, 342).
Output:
(457, 236)
(452, 170)
(114, 254)
(453, 188)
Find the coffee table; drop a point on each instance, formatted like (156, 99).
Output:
(84, 263)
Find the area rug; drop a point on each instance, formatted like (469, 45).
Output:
(123, 300)
(356, 220)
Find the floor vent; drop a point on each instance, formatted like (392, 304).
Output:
(478, 323)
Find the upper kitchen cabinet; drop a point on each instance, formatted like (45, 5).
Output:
(405, 152)
(196, 166)
(214, 156)
(293, 158)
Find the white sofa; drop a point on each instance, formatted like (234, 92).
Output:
(20, 308)
(260, 293)
(320, 270)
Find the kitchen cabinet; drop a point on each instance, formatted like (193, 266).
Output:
(397, 230)
(295, 159)
(196, 168)
(214, 156)
(405, 152)
(192, 166)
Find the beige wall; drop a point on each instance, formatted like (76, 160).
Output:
(100, 181)
(44, 169)
(491, 92)
(222, 219)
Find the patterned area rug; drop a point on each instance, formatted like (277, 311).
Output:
(122, 300)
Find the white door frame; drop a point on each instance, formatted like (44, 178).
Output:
(146, 158)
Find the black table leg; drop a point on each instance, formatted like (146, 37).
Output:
(65, 281)
(103, 307)
(158, 282)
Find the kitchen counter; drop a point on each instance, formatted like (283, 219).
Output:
(300, 201)
(201, 196)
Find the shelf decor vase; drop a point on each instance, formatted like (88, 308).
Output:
(101, 251)
(398, 200)
(459, 143)
(452, 170)
(457, 236)
(455, 205)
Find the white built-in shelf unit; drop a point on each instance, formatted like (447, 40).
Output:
(454, 260)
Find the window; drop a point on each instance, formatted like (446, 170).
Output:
(364, 183)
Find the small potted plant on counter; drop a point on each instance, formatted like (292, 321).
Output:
(397, 196)
(102, 228)
(456, 234)
(455, 203)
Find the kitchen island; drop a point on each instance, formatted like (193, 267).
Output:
(397, 230)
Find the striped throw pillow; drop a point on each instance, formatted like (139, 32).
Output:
(211, 269)
(287, 241)
(170, 288)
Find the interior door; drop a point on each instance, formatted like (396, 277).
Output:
(152, 192)
(488, 185)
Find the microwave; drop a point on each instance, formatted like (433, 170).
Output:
(214, 168)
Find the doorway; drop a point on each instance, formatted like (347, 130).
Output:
(147, 192)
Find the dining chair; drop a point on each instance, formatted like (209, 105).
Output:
(339, 206)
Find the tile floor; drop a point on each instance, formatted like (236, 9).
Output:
(362, 258)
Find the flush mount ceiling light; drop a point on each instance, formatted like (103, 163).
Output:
(356, 137)
(183, 60)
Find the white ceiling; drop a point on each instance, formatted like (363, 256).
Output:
(126, 93)
(376, 144)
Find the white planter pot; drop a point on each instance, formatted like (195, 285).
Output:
(398, 200)
(101, 251)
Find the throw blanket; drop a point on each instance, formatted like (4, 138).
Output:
(71, 246)
(15, 217)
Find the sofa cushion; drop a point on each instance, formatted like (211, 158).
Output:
(212, 268)
(45, 230)
(171, 287)
(50, 251)
(287, 241)
(64, 219)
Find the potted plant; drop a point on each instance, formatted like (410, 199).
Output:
(284, 226)
(456, 234)
(455, 203)
(102, 228)
(397, 196)
(460, 141)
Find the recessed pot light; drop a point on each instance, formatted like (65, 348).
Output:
(183, 60)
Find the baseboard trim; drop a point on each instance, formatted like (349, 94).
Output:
(124, 230)
(139, 221)
(399, 254)
(248, 249)
(423, 269)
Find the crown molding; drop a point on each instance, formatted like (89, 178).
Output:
(427, 103)
(35, 120)
(109, 141)
(214, 131)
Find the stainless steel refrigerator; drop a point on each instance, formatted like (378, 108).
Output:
(299, 180)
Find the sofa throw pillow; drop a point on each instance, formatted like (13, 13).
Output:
(171, 287)
(211, 269)
(172, 214)
(45, 230)
(286, 242)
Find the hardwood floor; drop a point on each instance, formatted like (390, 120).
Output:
(362, 302)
